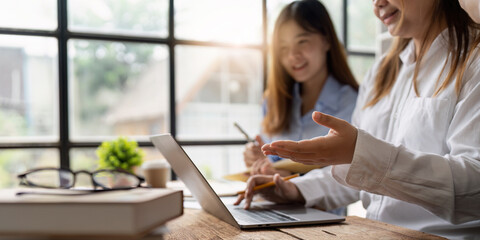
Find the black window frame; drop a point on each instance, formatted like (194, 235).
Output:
(65, 144)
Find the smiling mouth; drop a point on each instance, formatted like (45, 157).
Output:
(298, 67)
(388, 18)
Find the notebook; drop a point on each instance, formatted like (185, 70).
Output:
(260, 215)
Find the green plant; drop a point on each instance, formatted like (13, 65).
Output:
(119, 154)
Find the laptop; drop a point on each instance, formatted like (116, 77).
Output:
(259, 215)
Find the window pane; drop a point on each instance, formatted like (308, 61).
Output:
(360, 66)
(219, 20)
(86, 159)
(216, 87)
(362, 26)
(28, 88)
(145, 17)
(117, 88)
(334, 8)
(29, 14)
(217, 161)
(16, 161)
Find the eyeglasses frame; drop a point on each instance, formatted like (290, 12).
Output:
(25, 182)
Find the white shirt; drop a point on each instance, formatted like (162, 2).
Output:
(417, 158)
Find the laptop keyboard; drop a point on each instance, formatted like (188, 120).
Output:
(261, 215)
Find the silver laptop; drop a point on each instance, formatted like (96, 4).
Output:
(260, 215)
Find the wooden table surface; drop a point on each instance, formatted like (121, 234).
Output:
(197, 224)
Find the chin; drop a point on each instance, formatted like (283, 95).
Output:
(300, 80)
(393, 31)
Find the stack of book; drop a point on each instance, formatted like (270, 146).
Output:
(123, 214)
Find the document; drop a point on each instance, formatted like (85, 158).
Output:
(284, 164)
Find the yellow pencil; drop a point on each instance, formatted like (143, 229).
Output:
(269, 184)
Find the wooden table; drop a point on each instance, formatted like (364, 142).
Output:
(197, 224)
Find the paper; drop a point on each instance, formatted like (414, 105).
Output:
(221, 187)
(284, 164)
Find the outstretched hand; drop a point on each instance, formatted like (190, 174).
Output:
(337, 147)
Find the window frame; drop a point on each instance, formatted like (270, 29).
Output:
(64, 145)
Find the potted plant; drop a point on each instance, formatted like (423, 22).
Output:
(120, 154)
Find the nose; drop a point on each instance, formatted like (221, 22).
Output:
(293, 53)
(379, 3)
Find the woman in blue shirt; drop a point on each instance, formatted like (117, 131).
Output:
(308, 72)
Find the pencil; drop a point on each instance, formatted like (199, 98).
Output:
(249, 139)
(269, 184)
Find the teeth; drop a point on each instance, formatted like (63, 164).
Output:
(390, 14)
(299, 66)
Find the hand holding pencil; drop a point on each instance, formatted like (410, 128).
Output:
(269, 184)
(272, 188)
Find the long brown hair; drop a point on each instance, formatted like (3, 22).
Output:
(312, 16)
(463, 37)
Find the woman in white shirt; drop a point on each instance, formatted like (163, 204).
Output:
(413, 153)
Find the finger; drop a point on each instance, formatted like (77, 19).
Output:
(279, 182)
(268, 150)
(251, 183)
(239, 199)
(269, 153)
(286, 189)
(280, 185)
(305, 146)
(329, 121)
(259, 140)
(265, 167)
(284, 146)
(248, 200)
(248, 195)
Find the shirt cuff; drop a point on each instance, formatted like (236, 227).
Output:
(308, 190)
(371, 160)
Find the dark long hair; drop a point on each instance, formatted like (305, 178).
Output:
(312, 16)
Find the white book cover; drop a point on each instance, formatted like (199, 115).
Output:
(123, 213)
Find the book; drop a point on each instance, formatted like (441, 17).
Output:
(284, 164)
(123, 214)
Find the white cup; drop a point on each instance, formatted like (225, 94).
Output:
(156, 172)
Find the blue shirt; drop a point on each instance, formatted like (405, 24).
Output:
(335, 99)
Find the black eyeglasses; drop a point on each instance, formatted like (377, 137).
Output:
(59, 178)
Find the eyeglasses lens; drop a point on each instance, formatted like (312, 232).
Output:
(114, 179)
(51, 178)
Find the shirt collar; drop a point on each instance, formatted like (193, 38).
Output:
(407, 56)
(329, 96)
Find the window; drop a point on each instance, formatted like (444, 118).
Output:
(74, 73)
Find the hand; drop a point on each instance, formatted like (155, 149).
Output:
(337, 147)
(265, 166)
(262, 166)
(282, 192)
(253, 151)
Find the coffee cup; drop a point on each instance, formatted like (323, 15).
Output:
(156, 172)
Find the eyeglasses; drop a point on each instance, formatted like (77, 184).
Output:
(60, 178)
